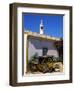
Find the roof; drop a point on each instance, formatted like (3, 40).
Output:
(34, 34)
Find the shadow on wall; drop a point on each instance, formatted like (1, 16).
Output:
(38, 44)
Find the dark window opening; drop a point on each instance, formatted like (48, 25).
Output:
(45, 50)
(41, 27)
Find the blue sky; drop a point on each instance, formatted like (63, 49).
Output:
(53, 24)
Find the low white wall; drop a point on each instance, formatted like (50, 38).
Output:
(36, 46)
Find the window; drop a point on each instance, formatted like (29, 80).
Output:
(45, 50)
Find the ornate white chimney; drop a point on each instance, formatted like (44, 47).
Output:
(41, 27)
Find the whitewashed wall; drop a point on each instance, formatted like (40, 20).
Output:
(36, 46)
